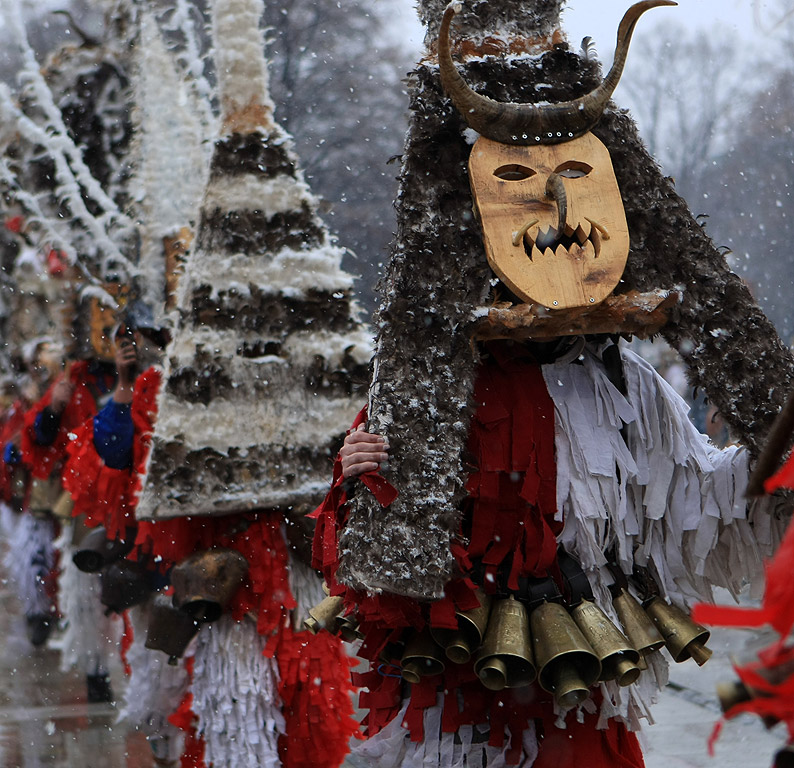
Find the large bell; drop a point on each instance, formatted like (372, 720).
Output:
(124, 584)
(460, 643)
(505, 659)
(170, 630)
(684, 639)
(568, 666)
(421, 657)
(619, 660)
(325, 615)
(639, 627)
(205, 582)
(96, 550)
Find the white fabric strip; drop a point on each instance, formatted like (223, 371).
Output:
(235, 695)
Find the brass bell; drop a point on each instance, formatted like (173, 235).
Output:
(421, 658)
(505, 659)
(568, 666)
(205, 582)
(96, 550)
(325, 615)
(619, 660)
(170, 630)
(460, 643)
(684, 639)
(124, 584)
(737, 692)
(348, 629)
(639, 627)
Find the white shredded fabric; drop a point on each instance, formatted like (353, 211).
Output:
(306, 587)
(29, 558)
(467, 748)
(154, 691)
(235, 695)
(89, 636)
(664, 497)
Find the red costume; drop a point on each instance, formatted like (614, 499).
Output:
(508, 534)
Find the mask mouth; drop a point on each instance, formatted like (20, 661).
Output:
(585, 241)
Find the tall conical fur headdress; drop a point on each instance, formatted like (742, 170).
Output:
(259, 375)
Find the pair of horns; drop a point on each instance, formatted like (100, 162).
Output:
(530, 123)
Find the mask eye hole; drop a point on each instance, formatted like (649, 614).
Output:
(513, 172)
(573, 169)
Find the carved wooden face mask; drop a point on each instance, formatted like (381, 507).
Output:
(552, 217)
(551, 212)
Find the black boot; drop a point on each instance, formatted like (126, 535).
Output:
(39, 628)
(98, 688)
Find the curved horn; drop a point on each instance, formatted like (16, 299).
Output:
(529, 123)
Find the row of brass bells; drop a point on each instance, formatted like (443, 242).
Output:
(459, 644)
(683, 637)
(97, 550)
(205, 582)
(638, 625)
(124, 584)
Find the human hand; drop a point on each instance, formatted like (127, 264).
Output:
(62, 393)
(126, 359)
(362, 452)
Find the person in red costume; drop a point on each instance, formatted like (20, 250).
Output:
(507, 542)
(107, 453)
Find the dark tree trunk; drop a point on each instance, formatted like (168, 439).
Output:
(423, 378)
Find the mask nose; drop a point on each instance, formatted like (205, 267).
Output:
(555, 190)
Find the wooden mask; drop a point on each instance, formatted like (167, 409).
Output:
(552, 217)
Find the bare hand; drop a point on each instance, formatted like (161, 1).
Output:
(62, 393)
(362, 452)
(126, 361)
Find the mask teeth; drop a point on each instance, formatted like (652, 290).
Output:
(561, 251)
(583, 232)
(548, 253)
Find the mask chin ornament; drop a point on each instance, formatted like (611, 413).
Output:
(545, 192)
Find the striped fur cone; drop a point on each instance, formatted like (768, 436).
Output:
(259, 376)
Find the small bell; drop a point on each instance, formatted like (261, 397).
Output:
(325, 615)
(639, 627)
(205, 582)
(460, 643)
(96, 550)
(421, 658)
(568, 665)
(683, 637)
(170, 630)
(619, 661)
(124, 584)
(505, 659)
